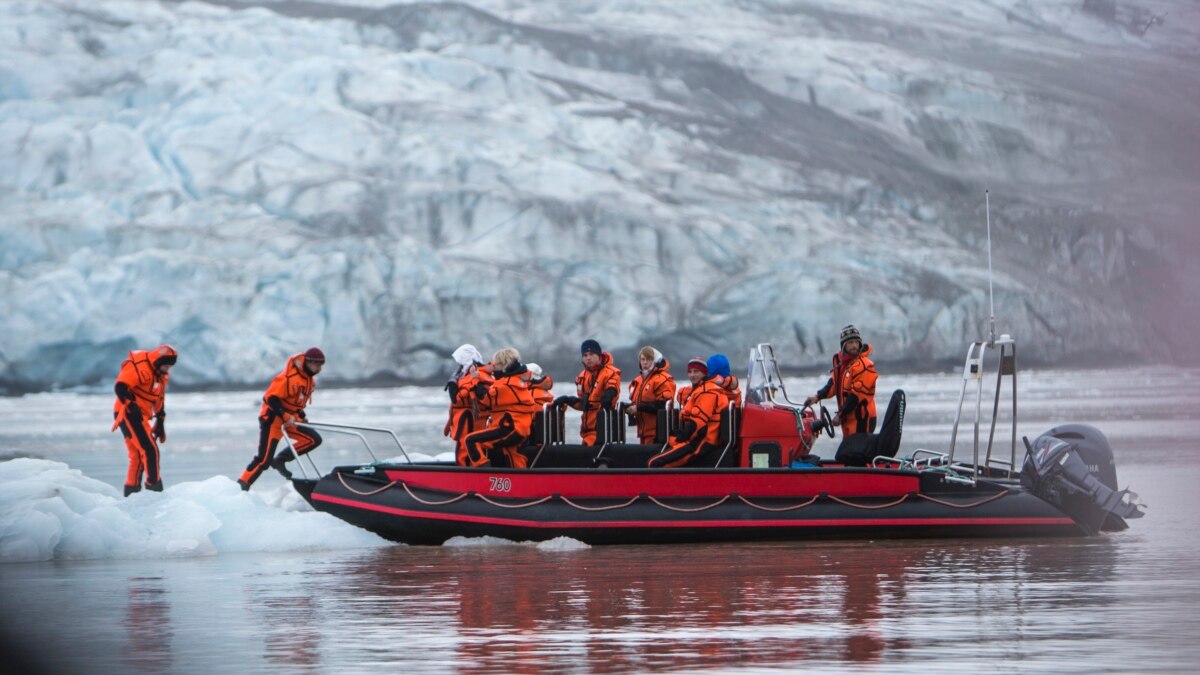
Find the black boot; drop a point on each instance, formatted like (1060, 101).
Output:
(279, 463)
(244, 485)
(155, 486)
(130, 489)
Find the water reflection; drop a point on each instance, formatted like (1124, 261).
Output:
(148, 626)
(617, 609)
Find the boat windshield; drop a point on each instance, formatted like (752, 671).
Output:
(764, 381)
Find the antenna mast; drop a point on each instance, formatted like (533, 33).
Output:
(987, 209)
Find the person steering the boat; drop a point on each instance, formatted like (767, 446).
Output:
(700, 420)
(510, 403)
(283, 408)
(141, 390)
(649, 392)
(468, 385)
(597, 386)
(852, 382)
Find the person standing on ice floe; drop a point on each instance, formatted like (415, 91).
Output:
(141, 389)
(283, 407)
(466, 387)
(852, 383)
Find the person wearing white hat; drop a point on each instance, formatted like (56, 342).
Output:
(466, 387)
(540, 383)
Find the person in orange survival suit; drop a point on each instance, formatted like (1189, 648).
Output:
(597, 386)
(649, 393)
(469, 384)
(699, 421)
(283, 406)
(141, 389)
(852, 382)
(697, 369)
(540, 384)
(730, 387)
(510, 403)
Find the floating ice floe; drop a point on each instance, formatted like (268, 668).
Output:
(49, 511)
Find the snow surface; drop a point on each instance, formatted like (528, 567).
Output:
(49, 511)
(389, 180)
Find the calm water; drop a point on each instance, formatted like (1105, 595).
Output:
(1124, 602)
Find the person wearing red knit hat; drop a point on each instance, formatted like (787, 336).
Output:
(697, 369)
(282, 409)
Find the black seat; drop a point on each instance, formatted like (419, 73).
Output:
(610, 427)
(726, 451)
(860, 449)
(547, 430)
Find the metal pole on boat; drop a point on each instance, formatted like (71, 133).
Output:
(987, 211)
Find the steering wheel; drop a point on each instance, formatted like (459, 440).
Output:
(828, 420)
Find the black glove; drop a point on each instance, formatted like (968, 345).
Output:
(607, 398)
(566, 400)
(685, 430)
(452, 388)
(481, 390)
(651, 407)
(160, 428)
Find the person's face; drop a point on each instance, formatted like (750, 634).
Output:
(591, 359)
(315, 367)
(646, 362)
(695, 375)
(164, 368)
(852, 347)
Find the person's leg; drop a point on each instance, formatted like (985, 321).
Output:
(480, 442)
(269, 433)
(676, 455)
(140, 442)
(464, 424)
(304, 439)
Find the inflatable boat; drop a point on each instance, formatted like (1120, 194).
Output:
(765, 484)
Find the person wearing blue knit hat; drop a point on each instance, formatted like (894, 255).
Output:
(718, 364)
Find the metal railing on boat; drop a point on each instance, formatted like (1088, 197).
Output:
(1006, 365)
(349, 430)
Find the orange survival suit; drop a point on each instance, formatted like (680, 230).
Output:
(699, 427)
(465, 417)
(596, 388)
(511, 404)
(852, 381)
(283, 404)
(141, 389)
(650, 393)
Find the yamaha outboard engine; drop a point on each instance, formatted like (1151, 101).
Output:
(1072, 467)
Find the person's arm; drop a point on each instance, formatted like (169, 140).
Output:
(275, 405)
(822, 393)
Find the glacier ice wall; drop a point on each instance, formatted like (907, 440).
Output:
(243, 180)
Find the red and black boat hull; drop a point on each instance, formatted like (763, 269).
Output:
(428, 504)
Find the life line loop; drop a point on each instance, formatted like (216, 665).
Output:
(981, 502)
(717, 503)
(864, 506)
(751, 504)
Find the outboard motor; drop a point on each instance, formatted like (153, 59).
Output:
(1072, 467)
